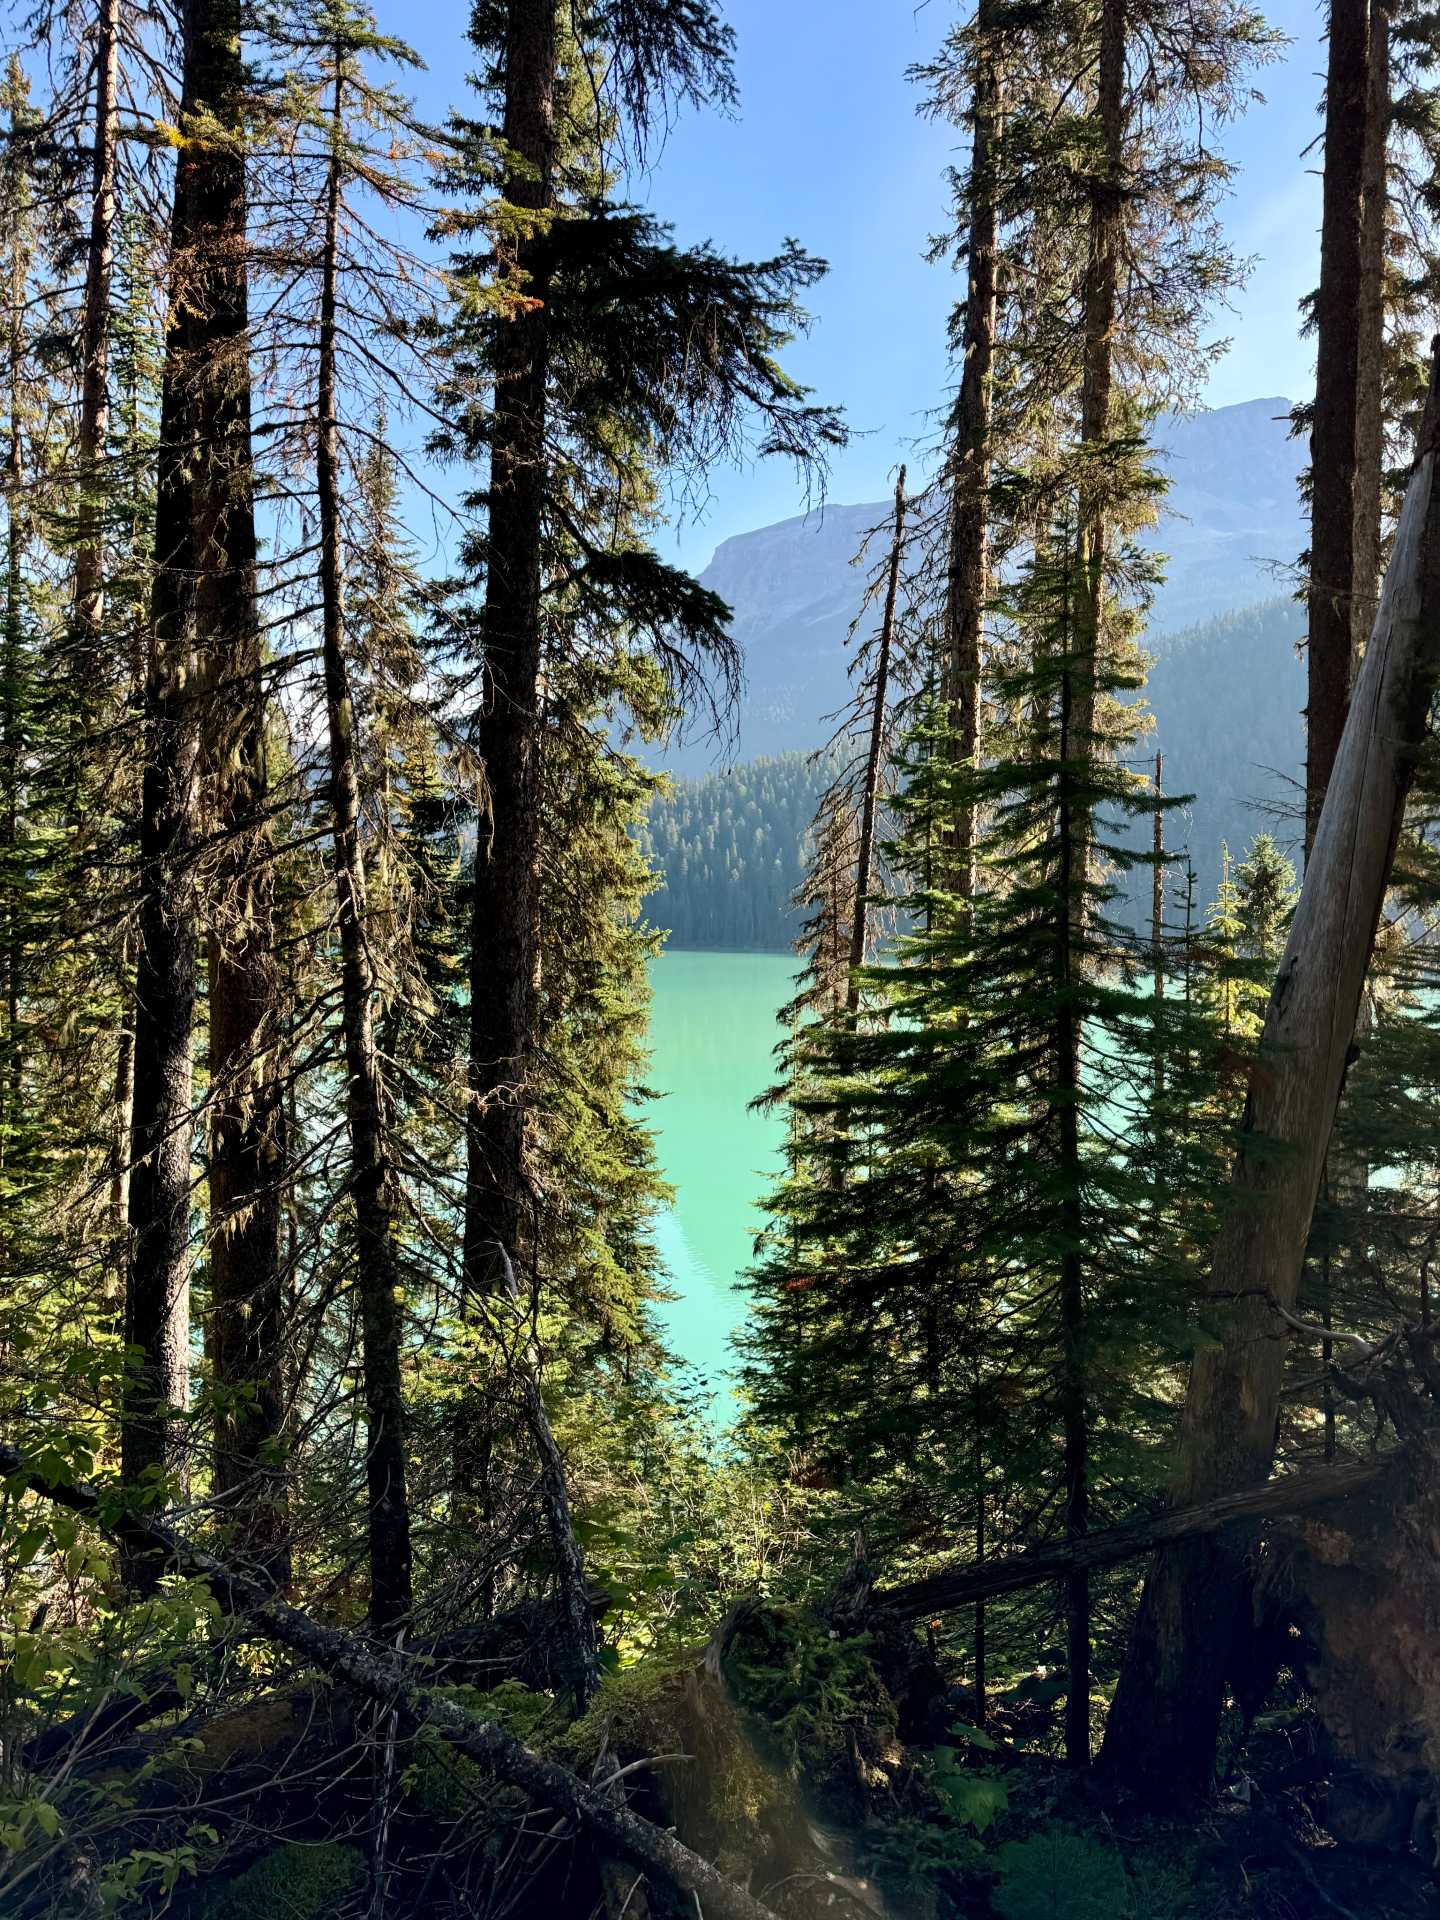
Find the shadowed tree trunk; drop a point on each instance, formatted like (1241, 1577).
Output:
(203, 628)
(19, 242)
(1370, 388)
(94, 424)
(1101, 301)
(870, 797)
(1337, 375)
(247, 1128)
(967, 573)
(377, 1266)
(504, 945)
(1162, 1729)
(1074, 1369)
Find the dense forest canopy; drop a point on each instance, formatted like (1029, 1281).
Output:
(1069, 1546)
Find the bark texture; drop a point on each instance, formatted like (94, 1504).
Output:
(1370, 382)
(1162, 1728)
(247, 1117)
(968, 566)
(1330, 610)
(1362, 1582)
(378, 1276)
(1101, 307)
(504, 931)
(94, 420)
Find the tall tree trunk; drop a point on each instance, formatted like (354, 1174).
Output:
(202, 625)
(1162, 1729)
(504, 948)
(89, 591)
(89, 583)
(968, 569)
(12, 742)
(504, 940)
(982, 1704)
(247, 1128)
(870, 798)
(1074, 1370)
(1337, 373)
(1101, 302)
(1370, 388)
(378, 1274)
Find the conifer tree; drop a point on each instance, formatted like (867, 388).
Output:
(204, 639)
(594, 350)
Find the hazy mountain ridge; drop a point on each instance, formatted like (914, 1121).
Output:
(1232, 524)
(1226, 698)
(1226, 690)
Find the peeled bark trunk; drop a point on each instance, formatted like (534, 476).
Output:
(968, 571)
(504, 929)
(1162, 1728)
(870, 798)
(378, 1276)
(1337, 374)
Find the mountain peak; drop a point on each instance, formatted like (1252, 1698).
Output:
(1232, 522)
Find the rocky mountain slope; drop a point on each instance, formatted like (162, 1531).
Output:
(1226, 690)
(1231, 527)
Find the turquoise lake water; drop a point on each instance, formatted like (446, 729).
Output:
(712, 1035)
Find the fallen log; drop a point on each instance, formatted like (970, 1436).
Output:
(1285, 1497)
(387, 1679)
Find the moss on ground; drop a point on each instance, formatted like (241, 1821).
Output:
(292, 1882)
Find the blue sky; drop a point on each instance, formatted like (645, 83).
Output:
(827, 145)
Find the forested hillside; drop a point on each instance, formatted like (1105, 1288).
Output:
(732, 846)
(1064, 1543)
(1231, 528)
